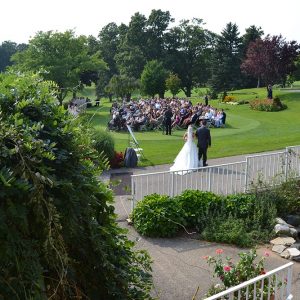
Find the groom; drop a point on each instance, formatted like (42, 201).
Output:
(204, 140)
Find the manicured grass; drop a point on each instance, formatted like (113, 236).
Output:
(247, 131)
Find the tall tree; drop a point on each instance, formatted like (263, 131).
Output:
(109, 41)
(271, 59)
(157, 25)
(251, 35)
(7, 49)
(153, 79)
(173, 84)
(122, 86)
(62, 57)
(226, 60)
(130, 61)
(188, 48)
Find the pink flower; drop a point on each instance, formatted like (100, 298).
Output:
(205, 257)
(267, 254)
(226, 268)
(219, 251)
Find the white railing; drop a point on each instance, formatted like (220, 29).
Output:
(274, 285)
(231, 178)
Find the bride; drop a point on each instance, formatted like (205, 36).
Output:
(187, 158)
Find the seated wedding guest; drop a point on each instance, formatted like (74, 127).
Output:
(176, 120)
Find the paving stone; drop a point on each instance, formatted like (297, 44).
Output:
(285, 254)
(283, 241)
(278, 248)
(293, 252)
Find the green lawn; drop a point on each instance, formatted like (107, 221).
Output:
(247, 131)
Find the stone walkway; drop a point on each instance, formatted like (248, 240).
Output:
(178, 266)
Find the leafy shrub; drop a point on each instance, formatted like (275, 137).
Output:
(104, 142)
(288, 195)
(196, 206)
(228, 230)
(239, 205)
(269, 105)
(59, 237)
(158, 216)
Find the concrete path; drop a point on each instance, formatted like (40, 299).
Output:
(178, 264)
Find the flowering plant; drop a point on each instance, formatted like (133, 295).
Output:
(229, 99)
(267, 104)
(233, 274)
(117, 161)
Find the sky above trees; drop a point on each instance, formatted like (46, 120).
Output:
(23, 19)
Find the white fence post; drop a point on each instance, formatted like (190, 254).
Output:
(132, 193)
(246, 174)
(209, 179)
(172, 184)
(286, 167)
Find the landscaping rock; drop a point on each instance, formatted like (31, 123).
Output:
(278, 248)
(287, 241)
(293, 232)
(282, 229)
(294, 252)
(280, 221)
(285, 254)
(293, 220)
(296, 258)
(296, 245)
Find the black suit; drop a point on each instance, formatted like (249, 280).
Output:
(204, 140)
(168, 121)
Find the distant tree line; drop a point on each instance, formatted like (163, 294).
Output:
(151, 55)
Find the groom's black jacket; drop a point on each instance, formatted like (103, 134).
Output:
(204, 139)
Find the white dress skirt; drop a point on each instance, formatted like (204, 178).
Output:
(187, 158)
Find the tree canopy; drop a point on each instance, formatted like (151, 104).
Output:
(271, 59)
(60, 57)
(153, 79)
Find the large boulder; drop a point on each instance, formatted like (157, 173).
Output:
(293, 220)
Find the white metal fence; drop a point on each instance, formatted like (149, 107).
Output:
(274, 285)
(225, 179)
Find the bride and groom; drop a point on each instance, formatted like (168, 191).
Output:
(189, 156)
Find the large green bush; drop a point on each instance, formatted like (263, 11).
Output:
(197, 207)
(288, 197)
(58, 233)
(229, 230)
(104, 143)
(242, 219)
(158, 216)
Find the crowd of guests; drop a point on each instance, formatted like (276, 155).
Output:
(149, 114)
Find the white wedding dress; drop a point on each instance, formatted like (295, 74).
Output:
(187, 158)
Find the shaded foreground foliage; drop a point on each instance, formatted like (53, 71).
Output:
(58, 233)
